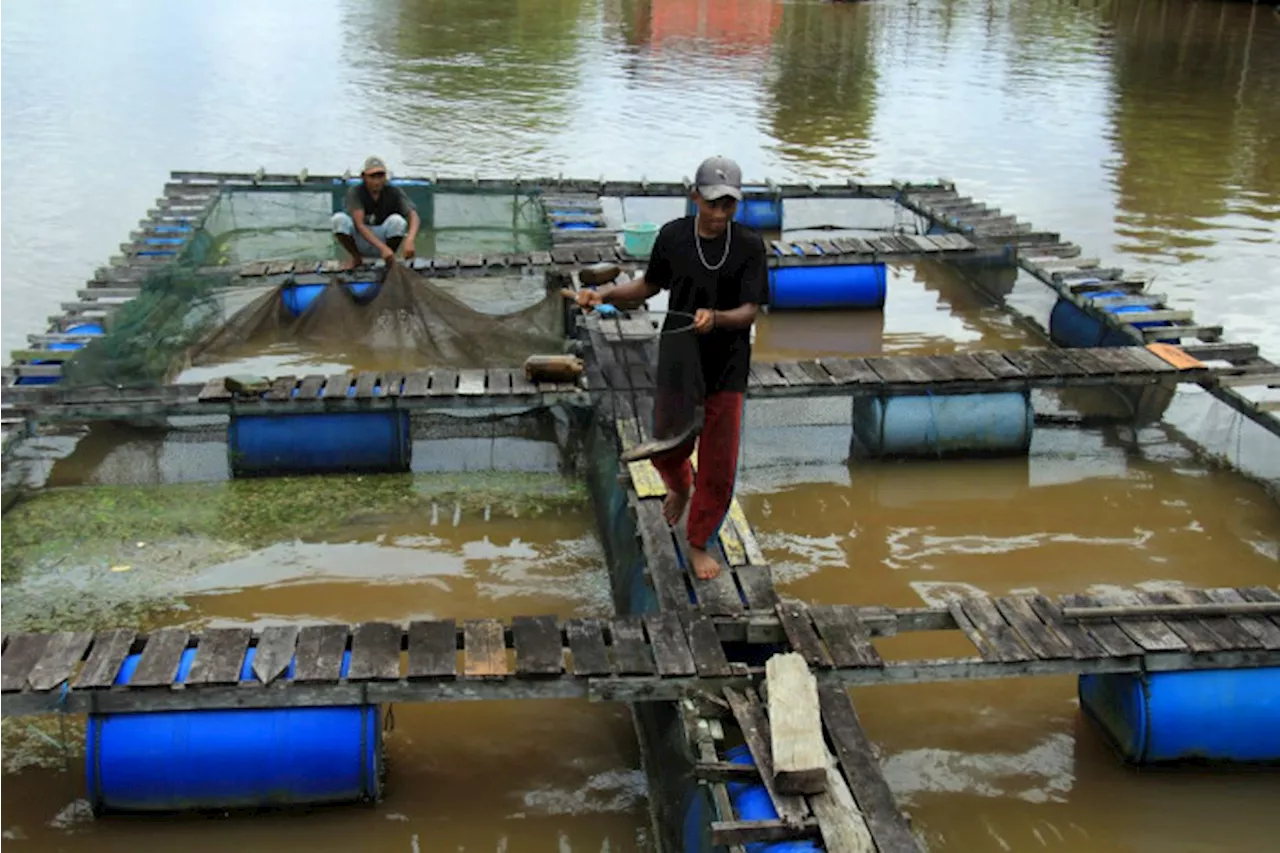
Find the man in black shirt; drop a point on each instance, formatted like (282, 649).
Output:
(378, 220)
(716, 272)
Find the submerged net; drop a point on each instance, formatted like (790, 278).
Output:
(407, 322)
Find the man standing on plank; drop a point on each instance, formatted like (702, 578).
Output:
(379, 217)
(716, 271)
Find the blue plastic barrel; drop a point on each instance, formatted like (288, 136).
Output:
(1213, 715)
(315, 443)
(1069, 326)
(576, 226)
(750, 802)
(933, 425)
(240, 758)
(762, 214)
(297, 298)
(838, 286)
(63, 346)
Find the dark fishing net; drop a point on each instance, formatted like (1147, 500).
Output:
(406, 322)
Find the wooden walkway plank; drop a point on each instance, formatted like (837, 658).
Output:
(444, 382)
(670, 648)
(886, 821)
(416, 384)
(539, 649)
(56, 665)
(106, 656)
(1152, 634)
(1031, 630)
(847, 639)
(708, 651)
(1193, 632)
(997, 365)
(1224, 628)
(320, 652)
(433, 649)
(841, 823)
(375, 652)
(665, 571)
(158, 665)
(586, 645)
(630, 652)
(21, 655)
(1266, 631)
(1108, 636)
(310, 387)
(274, 652)
(851, 371)
(1261, 594)
(985, 644)
(757, 586)
(799, 752)
(800, 633)
(220, 656)
(750, 715)
(485, 649)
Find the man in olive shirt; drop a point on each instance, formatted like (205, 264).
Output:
(379, 218)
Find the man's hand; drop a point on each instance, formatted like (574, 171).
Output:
(409, 249)
(387, 255)
(588, 299)
(704, 320)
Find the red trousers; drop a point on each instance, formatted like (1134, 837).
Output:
(717, 466)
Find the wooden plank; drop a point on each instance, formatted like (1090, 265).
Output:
(158, 664)
(1061, 362)
(800, 633)
(1265, 630)
(471, 383)
(107, 654)
(1030, 363)
(586, 645)
(63, 652)
(1033, 632)
(734, 553)
(338, 385)
(1152, 634)
(795, 725)
(416, 384)
(1224, 629)
(310, 387)
(1106, 634)
(997, 365)
(282, 389)
(757, 586)
(392, 383)
(840, 821)
(274, 652)
(850, 371)
(630, 652)
(708, 652)
(320, 652)
(727, 833)
(670, 648)
(791, 372)
(1261, 593)
(220, 656)
(985, 645)
(745, 534)
(766, 375)
(375, 652)
(965, 367)
(750, 715)
(1193, 632)
(847, 639)
(433, 649)
(444, 382)
(539, 650)
(365, 382)
(214, 391)
(899, 369)
(1082, 645)
(665, 572)
(817, 374)
(485, 648)
(498, 382)
(520, 383)
(887, 823)
(21, 655)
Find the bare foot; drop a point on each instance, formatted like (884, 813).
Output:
(705, 566)
(350, 264)
(673, 507)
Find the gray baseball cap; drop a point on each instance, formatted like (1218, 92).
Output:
(373, 164)
(719, 177)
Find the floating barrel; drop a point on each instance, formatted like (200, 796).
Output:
(1069, 326)
(62, 346)
(297, 298)
(750, 802)
(1214, 715)
(762, 214)
(316, 443)
(237, 758)
(943, 425)
(836, 286)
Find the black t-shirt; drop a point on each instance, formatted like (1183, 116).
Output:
(674, 265)
(392, 200)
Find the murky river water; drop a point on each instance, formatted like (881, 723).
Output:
(1148, 132)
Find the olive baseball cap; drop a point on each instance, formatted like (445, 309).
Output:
(373, 164)
(719, 177)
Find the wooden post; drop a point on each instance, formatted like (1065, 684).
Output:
(799, 753)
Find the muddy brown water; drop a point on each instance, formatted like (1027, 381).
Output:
(1145, 131)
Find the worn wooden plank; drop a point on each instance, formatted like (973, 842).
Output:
(750, 715)
(310, 387)
(817, 374)
(1107, 635)
(214, 391)
(282, 389)
(21, 655)
(471, 383)
(107, 654)
(1261, 593)
(520, 383)
(338, 385)
(1033, 632)
(433, 649)
(735, 553)
(985, 645)
(708, 652)
(757, 586)
(1061, 362)
(965, 367)
(795, 725)
(899, 369)
(365, 382)
(630, 652)
(983, 613)
(886, 821)
(416, 384)
(851, 371)
(1228, 633)
(766, 374)
(841, 823)
(220, 656)
(586, 645)
(539, 650)
(1152, 634)
(392, 383)
(485, 648)
(498, 382)
(274, 652)
(1030, 363)
(1077, 639)
(665, 572)
(375, 652)
(743, 528)
(320, 651)
(847, 639)
(1193, 632)
(670, 647)
(56, 665)
(794, 375)
(726, 833)
(1265, 630)
(444, 382)
(800, 633)
(997, 365)
(158, 664)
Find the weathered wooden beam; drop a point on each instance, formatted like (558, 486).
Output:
(753, 831)
(799, 752)
(1133, 611)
